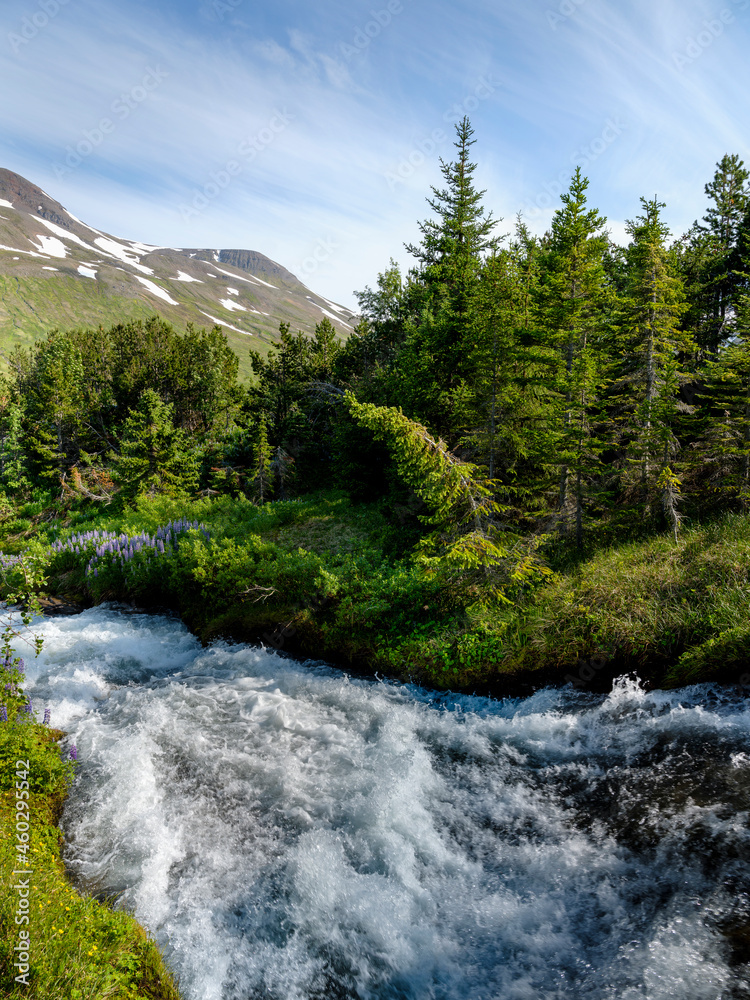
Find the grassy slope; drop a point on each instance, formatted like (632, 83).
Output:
(80, 949)
(312, 577)
(677, 612)
(31, 308)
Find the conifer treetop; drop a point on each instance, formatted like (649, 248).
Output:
(462, 228)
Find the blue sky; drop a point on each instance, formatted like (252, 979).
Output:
(312, 132)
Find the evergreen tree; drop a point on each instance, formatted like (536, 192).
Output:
(573, 296)
(51, 384)
(724, 443)
(648, 375)
(433, 364)
(511, 367)
(154, 456)
(730, 195)
(13, 463)
(261, 481)
(711, 256)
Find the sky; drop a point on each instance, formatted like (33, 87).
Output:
(314, 133)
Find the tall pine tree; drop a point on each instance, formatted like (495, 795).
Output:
(649, 371)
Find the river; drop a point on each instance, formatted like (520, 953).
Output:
(287, 832)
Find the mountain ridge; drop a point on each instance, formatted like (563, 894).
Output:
(59, 272)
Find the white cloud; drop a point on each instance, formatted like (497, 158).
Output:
(313, 194)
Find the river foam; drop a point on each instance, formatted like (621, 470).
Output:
(289, 833)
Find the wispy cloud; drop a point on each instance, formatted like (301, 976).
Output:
(353, 112)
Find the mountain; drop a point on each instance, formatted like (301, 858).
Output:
(56, 271)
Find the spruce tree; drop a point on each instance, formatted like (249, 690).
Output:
(261, 479)
(572, 299)
(724, 444)
(154, 456)
(13, 461)
(433, 364)
(649, 372)
(514, 408)
(711, 254)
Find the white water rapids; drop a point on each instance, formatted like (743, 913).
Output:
(288, 833)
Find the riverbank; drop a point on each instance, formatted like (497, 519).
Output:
(286, 830)
(59, 943)
(327, 579)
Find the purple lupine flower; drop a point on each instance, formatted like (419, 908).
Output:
(73, 753)
(46, 717)
(21, 667)
(27, 707)
(3, 713)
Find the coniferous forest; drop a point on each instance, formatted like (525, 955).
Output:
(532, 451)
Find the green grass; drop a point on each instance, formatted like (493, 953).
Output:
(31, 307)
(319, 577)
(80, 949)
(652, 604)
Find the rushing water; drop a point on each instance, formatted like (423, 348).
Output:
(287, 832)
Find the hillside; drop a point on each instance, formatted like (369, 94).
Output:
(56, 271)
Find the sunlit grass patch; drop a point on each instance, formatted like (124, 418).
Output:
(79, 949)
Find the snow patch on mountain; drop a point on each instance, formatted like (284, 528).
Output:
(143, 248)
(156, 290)
(87, 272)
(252, 279)
(52, 246)
(333, 306)
(181, 276)
(30, 253)
(221, 322)
(64, 234)
(232, 291)
(232, 306)
(6, 204)
(331, 315)
(119, 252)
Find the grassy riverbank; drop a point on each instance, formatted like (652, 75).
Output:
(78, 948)
(325, 578)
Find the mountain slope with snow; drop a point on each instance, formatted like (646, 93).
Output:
(58, 272)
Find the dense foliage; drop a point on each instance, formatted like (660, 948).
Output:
(509, 406)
